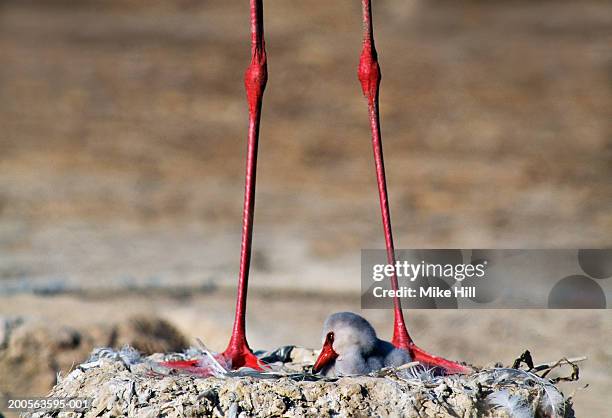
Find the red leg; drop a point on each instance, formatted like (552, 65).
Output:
(255, 79)
(369, 76)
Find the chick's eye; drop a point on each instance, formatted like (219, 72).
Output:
(330, 337)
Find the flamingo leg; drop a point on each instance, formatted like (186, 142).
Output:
(255, 79)
(370, 76)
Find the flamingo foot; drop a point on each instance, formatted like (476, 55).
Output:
(240, 355)
(189, 366)
(450, 367)
(402, 340)
(237, 356)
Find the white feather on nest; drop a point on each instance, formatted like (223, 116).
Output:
(552, 403)
(514, 405)
(417, 373)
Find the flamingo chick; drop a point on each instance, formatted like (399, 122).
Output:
(351, 347)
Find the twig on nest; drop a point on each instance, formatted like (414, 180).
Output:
(575, 370)
(553, 364)
(526, 359)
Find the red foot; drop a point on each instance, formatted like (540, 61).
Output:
(422, 356)
(402, 340)
(189, 366)
(181, 364)
(241, 355)
(237, 356)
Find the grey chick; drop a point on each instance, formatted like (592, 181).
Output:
(350, 347)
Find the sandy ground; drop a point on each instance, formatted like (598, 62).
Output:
(122, 143)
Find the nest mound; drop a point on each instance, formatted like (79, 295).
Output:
(33, 350)
(125, 384)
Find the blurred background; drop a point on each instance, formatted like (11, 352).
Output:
(122, 145)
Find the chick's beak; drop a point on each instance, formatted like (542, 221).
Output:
(327, 355)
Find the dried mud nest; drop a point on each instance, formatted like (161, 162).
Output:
(124, 383)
